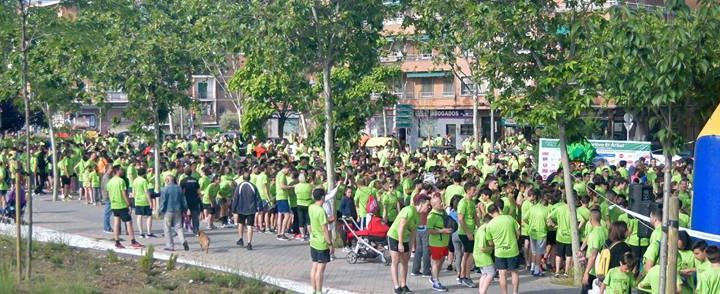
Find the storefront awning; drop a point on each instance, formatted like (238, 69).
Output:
(427, 74)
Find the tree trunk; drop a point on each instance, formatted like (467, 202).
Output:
(492, 129)
(667, 185)
(329, 149)
(156, 154)
(53, 149)
(672, 244)
(384, 116)
(570, 198)
(303, 123)
(170, 123)
(281, 125)
(29, 179)
(238, 110)
(641, 126)
(182, 123)
(476, 122)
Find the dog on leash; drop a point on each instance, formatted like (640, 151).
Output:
(204, 241)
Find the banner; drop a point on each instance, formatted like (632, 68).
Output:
(612, 151)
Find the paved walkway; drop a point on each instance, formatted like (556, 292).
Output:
(283, 263)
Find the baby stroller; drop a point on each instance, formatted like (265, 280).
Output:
(8, 214)
(368, 243)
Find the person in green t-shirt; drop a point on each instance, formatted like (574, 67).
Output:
(119, 204)
(282, 195)
(653, 250)
(482, 254)
(303, 191)
(263, 216)
(560, 218)
(503, 231)
(620, 279)
(438, 240)
(455, 189)
(466, 212)
(651, 282)
(320, 241)
(400, 238)
(595, 242)
(390, 204)
(536, 222)
(141, 194)
(709, 278)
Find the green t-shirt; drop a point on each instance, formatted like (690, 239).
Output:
(389, 203)
(502, 231)
(595, 241)
(561, 216)
(618, 282)
(653, 250)
(303, 191)
(210, 193)
(709, 281)
(651, 282)
(361, 197)
(318, 219)
(261, 181)
(94, 179)
(3, 176)
(140, 188)
(481, 258)
(536, 220)
(436, 221)
(451, 191)
(412, 218)
(509, 207)
(116, 187)
(632, 224)
(466, 208)
(525, 209)
(281, 179)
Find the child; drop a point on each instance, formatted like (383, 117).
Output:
(482, 254)
(438, 240)
(620, 279)
(86, 176)
(94, 177)
(709, 279)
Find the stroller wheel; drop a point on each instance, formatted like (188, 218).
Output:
(351, 257)
(386, 256)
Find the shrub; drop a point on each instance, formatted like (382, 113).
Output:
(146, 261)
(112, 256)
(172, 261)
(229, 121)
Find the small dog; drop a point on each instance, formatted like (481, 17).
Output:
(204, 241)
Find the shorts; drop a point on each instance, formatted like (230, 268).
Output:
(320, 256)
(246, 219)
(65, 180)
(283, 206)
(123, 214)
(537, 246)
(143, 210)
(303, 216)
(154, 195)
(468, 244)
(451, 248)
(488, 270)
(563, 249)
(393, 245)
(264, 206)
(438, 253)
(210, 209)
(522, 239)
(511, 264)
(551, 237)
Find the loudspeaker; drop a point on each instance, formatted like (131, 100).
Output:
(642, 201)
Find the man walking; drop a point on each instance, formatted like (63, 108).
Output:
(246, 200)
(503, 230)
(172, 205)
(119, 204)
(191, 189)
(320, 241)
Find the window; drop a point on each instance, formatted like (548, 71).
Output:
(448, 87)
(202, 90)
(468, 87)
(466, 130)
(426, 90)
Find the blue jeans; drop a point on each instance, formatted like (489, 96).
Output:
(422, 253)
(107, 216)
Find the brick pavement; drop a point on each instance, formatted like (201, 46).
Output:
(285, 263)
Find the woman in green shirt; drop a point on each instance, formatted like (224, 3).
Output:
(303, 192)
(390, 204)
(400, 237)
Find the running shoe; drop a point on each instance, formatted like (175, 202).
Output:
(406, 289)
(249, 246)
(119, 245)
(240, 243)
(186, 246)
(151, 235)
(439, 287)
(136, 245)
(143, 236)
(468, 283)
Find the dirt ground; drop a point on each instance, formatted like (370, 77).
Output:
(58, 268)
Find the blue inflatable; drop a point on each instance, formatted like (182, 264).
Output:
(706, 185)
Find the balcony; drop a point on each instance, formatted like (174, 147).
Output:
(117, 97)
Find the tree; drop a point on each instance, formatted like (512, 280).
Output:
(219, 31)
(351, 109)
(325, 35)
(456, 32)
(146, 54)
(544, 69)
(662, 62)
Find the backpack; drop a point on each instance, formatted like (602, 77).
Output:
(602, 261)
(371, 205)
(451, 223)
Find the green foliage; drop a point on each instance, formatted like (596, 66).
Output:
(8, 278)
(229, 121)
(172, 261)
(147, 261)
(197, 275)
(352, 105)
(228, 280)
(111, 256)
(145, 53)
(664, 65)
(57, 260)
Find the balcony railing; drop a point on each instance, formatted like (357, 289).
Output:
(426, 94)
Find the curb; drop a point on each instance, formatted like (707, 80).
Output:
(52, 236)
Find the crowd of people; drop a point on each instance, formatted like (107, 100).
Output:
(482, 212)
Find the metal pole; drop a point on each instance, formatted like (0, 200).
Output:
(24, 91)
